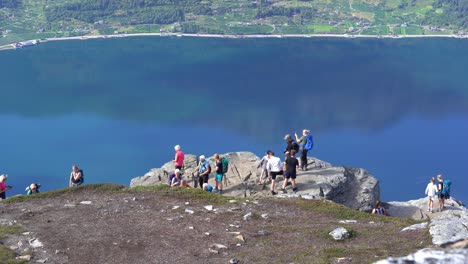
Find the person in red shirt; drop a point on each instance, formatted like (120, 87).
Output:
(179, 157)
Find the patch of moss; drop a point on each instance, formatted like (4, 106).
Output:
(103, 187)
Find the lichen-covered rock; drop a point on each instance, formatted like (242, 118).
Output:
(449, 227)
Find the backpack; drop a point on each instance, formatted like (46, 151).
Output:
(309, 142)
(446, 188)
(225, 163)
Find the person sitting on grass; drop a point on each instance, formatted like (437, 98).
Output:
(76, 176)
(32, 188)
(379, 209)
(3, 186)
(175, 178)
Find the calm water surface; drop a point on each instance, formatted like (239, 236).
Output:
(116, 107)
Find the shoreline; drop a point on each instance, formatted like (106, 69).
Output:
(259, 36)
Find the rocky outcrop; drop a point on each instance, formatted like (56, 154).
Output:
(352, 187)
(448, 226)
(454, 256)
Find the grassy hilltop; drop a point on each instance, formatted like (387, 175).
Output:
(107, 223)
(33, 19)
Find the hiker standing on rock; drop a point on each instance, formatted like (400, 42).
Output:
(431, 191)
(305, 144)
(441, 194)
(203, 170)
(263, 166)
(3, 186)
(291, 144)
(275, 168)
(179, 157)
(219, 174)
(76, 176)
(291, 165)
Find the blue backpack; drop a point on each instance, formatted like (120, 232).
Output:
(309, 142)
(446, 188)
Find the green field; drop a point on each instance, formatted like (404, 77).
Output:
(36, 19)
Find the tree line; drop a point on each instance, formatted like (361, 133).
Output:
(128, 11)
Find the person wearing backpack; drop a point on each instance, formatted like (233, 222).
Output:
(76, 176)
(219, 174)
(443, 186)
(305, 144)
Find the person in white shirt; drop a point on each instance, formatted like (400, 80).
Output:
(431, 191)
(275, 168)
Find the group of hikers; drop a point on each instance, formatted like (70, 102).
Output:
(441, 189)
(271, 166)
(76, 178)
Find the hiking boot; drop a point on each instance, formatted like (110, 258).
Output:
(273, 193)
(295, 189)
(220, 192)
(283, 191)
(216, 189)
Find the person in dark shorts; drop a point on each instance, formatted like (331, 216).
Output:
(219, 174)
(291, 165)
(203, 170)
(275, 168)
(440, 195)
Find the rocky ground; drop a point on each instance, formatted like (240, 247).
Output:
(113, 224)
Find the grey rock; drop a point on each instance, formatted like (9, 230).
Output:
(415, 227)
(339, 233)
(35, 243)
(449, 227)
(352, 187)
(424, 256)
(234, 261)
(348, 221)
(248, 216)
(265, 216)
(263, 232)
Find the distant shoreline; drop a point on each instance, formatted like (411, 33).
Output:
(12, 45)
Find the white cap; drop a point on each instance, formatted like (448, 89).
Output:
(202, 157)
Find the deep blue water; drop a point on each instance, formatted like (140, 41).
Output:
(116, 107)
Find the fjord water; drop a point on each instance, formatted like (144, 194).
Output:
(116, 107)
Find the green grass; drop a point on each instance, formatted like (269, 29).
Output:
(102, 187)
(186, 193)
(7, 255)
(342, 212)
(31, 16)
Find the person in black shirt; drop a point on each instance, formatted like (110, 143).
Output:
(291, 144)
(291, 165)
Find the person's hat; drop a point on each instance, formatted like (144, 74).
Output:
(202, 157)
(287, 136)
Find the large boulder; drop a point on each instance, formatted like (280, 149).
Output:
(353, 187)
(448, 226)
(433, 256)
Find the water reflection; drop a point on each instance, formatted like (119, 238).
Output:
(255, 84)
